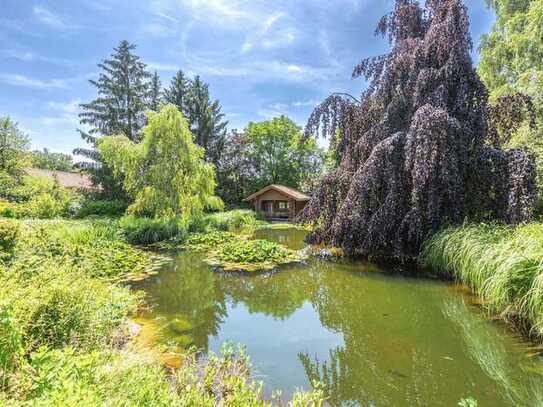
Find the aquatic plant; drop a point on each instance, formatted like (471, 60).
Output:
(146, 231)
(251, 255)
(94, 248)
(502, 264)
(206, 241)
(415, 149)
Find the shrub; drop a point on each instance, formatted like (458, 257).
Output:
(9, 231)
(92, 207)
(231, 221)
(148, 231)
(10, 344)
(39, 198)
(58, 307)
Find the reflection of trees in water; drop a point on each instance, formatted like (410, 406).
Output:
(493, 358)
(277, 294)
(291, 238)
(190, 307)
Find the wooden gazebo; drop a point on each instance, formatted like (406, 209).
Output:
(278, 202)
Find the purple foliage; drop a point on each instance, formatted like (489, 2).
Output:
(416, 150)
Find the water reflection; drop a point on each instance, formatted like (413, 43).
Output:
(371, 339)
(186, 306)
(493, 357)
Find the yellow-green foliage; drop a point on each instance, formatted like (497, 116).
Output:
(231, 221)
(134, 378)
(502, 264)
(240, 254)
(93, 247)
(208, 241)
(166, 173)
(39, 198)
(9, 231)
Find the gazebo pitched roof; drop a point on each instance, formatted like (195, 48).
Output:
(66, 179)
(287, 191)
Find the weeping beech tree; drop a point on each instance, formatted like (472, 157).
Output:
(416, 151)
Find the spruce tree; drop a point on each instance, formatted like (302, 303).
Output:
(155, 96)
(205, 117)
(177, 93)
(123, 90)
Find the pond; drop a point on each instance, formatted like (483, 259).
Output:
(372, 338)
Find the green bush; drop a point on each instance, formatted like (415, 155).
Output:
(9, 231)
(231, 221)
(91, 207)
(124, 378)
(70, 309)
(10, 344)
(147, 231)
(39, 198)
(502, 264)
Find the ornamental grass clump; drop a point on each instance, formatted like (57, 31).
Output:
(416, 152)
(502, 264)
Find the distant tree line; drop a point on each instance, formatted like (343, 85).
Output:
(267, 152)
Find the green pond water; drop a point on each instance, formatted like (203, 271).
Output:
(372, 338)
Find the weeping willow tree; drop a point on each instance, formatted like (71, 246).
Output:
(165, 174)
(415, 151)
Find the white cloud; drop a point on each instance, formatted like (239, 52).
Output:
(49, 18)
(70, 107)
(26, 82)
(167, 17)
(267, 37)
(157, 66)
(268, 23)
(159, 30)
(63, 114)
(226, 10)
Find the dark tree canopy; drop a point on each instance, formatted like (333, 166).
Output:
(206, 121)
(123, 96)
(415, 151)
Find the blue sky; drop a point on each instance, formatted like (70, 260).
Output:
(261, 58)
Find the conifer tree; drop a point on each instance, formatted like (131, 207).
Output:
(155, 97)
(123, 89)
(177, 93)
(205, 118)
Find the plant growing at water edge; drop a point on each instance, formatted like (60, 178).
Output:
(502, 264)
(165, 174)
(414, 151)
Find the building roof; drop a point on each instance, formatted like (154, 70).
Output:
(287, 191)
(66, 179)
